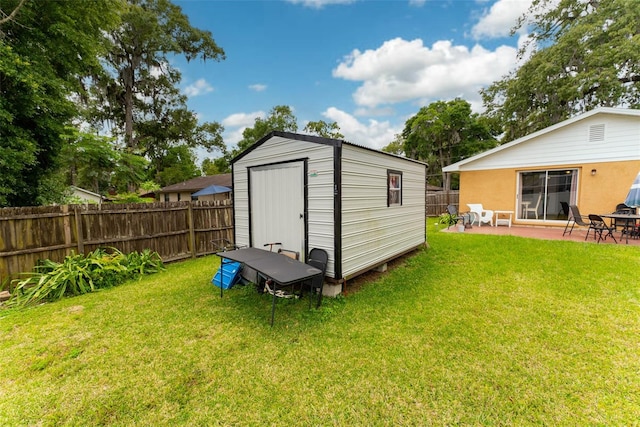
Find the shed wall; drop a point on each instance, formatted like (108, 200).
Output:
(320, 217)
(373, 233)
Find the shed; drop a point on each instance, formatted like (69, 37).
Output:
(363, 206)
(589, 160)
(86, 196)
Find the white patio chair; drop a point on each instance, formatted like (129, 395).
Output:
(526, 209)
(480, 214)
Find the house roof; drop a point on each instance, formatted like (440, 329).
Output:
(316, 140)
(457, 167)
(84, 192)
(198, 183)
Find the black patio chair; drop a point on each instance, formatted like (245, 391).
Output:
(599, 227)
(574, 219)
(564, 210)
(318, 258)
(455, 216)
(619, 223)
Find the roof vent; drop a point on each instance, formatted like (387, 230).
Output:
(596, 133)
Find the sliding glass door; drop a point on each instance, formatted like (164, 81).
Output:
(546, 194)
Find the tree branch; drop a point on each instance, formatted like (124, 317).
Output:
(9, 17)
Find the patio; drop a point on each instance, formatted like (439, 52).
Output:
(546, 233)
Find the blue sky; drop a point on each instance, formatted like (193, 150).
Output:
(367, 65)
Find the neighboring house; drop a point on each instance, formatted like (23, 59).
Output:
(184, 190)
(363, 206)
(589, 160)
(86, 196)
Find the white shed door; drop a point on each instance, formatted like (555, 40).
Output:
(277, 206)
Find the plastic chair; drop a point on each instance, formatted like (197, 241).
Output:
(574, 219)
(598, 226)
(534, 209)
(319, 259)
(480, 214)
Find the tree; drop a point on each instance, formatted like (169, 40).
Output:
(179, 166)
(395, 147)
(324, 129)
(446, 132)
(585, 54)
(216, 166)
(151, 30)
(87, 160)
(6, 17)
(46, 51)
(280, 118)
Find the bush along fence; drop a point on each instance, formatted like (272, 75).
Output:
(175, 230)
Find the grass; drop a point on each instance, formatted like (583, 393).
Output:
(475, 330)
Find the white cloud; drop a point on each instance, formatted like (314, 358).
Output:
(242, 119)
(258, 87)
(319, 4)
(373, 134)
(200, 87)
(236, 123)
(500, 18)
(401, 70)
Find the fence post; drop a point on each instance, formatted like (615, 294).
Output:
(67, 226)
(192, 232)
(78, 214)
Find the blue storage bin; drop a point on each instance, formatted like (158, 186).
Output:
(230, 272)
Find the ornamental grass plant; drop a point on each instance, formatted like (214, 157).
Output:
(79, 274)
(474, 330)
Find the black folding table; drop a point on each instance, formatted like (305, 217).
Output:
(279, 268)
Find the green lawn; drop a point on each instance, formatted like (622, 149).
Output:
(475, 330)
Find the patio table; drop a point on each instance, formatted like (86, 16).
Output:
(503, 218)
(629, 222)
(281, 269)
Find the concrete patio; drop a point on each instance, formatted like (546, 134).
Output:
(547, 233)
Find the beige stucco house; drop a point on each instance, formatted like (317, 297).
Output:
(589, 160)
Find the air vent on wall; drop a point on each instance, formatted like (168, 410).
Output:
(596, 133)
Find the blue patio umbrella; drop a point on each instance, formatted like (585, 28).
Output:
(633, 197)
(212, 189)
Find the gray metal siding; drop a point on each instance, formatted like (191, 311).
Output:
(373, 233)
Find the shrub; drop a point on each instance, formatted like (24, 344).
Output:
(79, 274)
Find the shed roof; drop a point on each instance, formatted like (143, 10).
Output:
(199, 183)
(457, 167)
(316, 140)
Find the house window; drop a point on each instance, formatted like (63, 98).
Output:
(166, 197)
(394, 188)
(544, 195)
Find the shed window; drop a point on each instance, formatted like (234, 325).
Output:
(394, 188)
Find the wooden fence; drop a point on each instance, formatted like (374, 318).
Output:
(176, 230)
(437, 201)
